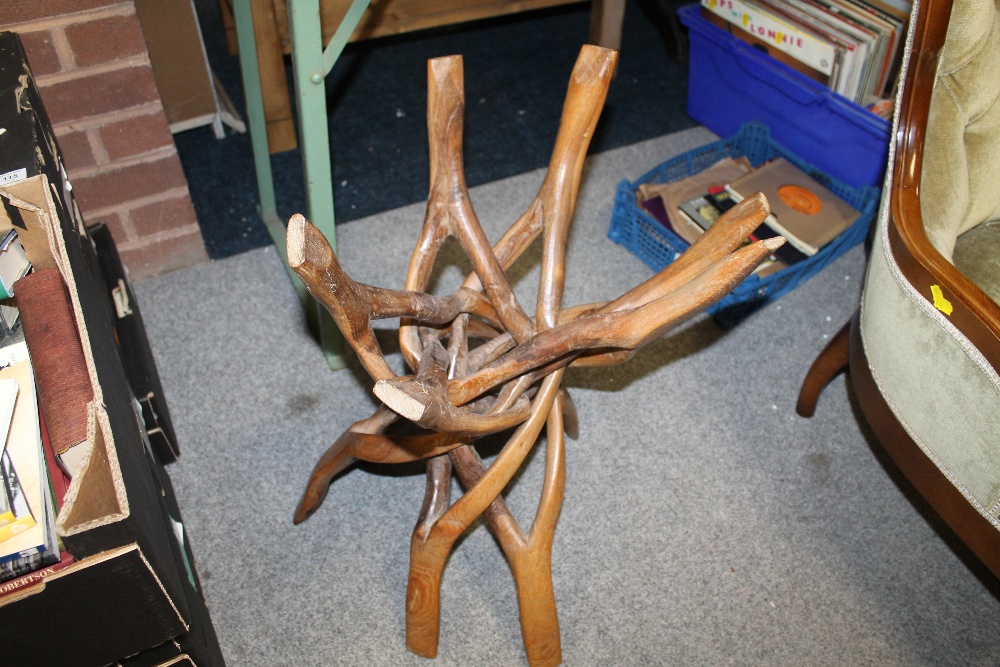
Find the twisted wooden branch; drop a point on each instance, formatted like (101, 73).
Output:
(354, 305)
(626, 329)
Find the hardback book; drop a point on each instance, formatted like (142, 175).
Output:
(59, 475)
(44, 556)
(807, 214)
(64, 386)
(15, 588)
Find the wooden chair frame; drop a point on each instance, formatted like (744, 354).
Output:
(975, 314)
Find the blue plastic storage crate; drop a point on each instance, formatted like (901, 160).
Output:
(658, 246)
(731, 83)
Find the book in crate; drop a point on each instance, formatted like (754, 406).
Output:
(658, 246)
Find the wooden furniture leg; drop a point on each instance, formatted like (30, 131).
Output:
(831, 361)
(274, 86)
(431, 545)
(606, 19)
(228, 27)
(530, 556)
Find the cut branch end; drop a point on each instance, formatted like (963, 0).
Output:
(295, 237)
(775, 243)
(399, 401)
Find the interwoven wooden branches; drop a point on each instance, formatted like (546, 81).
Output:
(482, 365)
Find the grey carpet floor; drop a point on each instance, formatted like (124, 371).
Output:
(704, 523)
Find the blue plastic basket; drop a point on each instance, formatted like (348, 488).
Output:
(657, 246)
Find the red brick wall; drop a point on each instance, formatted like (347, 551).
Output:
(90, 62)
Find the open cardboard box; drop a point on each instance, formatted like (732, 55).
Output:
(97, 494)
(127, 582)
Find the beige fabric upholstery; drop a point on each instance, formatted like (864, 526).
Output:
(939, 387)
(977, 254)
(960, 188)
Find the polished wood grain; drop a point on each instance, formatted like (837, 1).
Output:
(830, 362)
(480, 364)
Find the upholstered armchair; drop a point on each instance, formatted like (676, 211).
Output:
(924, 348)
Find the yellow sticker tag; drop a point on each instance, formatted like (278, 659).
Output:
(940, 302)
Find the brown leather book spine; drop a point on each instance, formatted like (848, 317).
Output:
(61, 376)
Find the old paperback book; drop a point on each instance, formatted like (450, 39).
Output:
(807, 214)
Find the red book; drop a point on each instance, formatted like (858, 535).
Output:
(61, 375)
(29, 583)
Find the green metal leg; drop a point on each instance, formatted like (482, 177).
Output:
(311, 64)
(258, 132)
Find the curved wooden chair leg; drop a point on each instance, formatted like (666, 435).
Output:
(831, 361)
(426, 565)
(338, 458)
(530, 556)
(536, 599)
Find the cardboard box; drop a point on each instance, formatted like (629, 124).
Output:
(133, 587)
(28, 146)
(130, 332)
(91, 613)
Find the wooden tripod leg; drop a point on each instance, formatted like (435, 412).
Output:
(529, 556)
(831, 361)
(430, 546)
(423, 598)
(337, 458)
(532, 566)
(530, 563)
(536, 599)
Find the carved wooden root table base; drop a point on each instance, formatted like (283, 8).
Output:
(482, 365)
